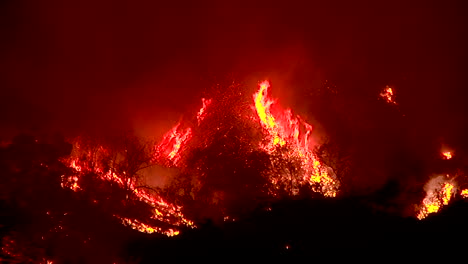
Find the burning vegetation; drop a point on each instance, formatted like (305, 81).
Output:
(240, 152)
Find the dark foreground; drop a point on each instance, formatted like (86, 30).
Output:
(308, 229)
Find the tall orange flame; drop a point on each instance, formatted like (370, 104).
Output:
(284, 130)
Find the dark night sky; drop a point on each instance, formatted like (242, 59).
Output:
(102, 66)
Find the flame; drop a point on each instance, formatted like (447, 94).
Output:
(163, 210)
(170, 146)
(285, 129)
(74, 165)
(144, 228)
(387, 94)
(464, 193)
(263, 104)
(173, 141)
(439, 193)
(447, 155)
(288, 138)
(447, 192)
(70, 182)
(202, 112)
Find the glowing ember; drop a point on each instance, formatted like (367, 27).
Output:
(387, 94)
(447, 155)
(70, 182)
(439, 191)
(289, 131)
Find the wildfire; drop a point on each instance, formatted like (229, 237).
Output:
(387, 94)
(169, 150)
(287, 141)
(439, 191)
(144, 228)
(170, 146)
(286, 130)
(464, 193)
(262, 105)
(70, 182)
(163, 211)
(202, 112)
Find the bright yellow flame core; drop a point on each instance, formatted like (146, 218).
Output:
(262, 104)
(464, 193)
(287, 130)
(447, 193)
(436, 197)
(447, 154)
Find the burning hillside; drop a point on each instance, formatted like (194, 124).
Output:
(135, 132)
(239, 154)
(233, 144)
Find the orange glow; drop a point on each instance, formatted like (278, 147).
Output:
(388, 95)
(447, 155)
(286, 130)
